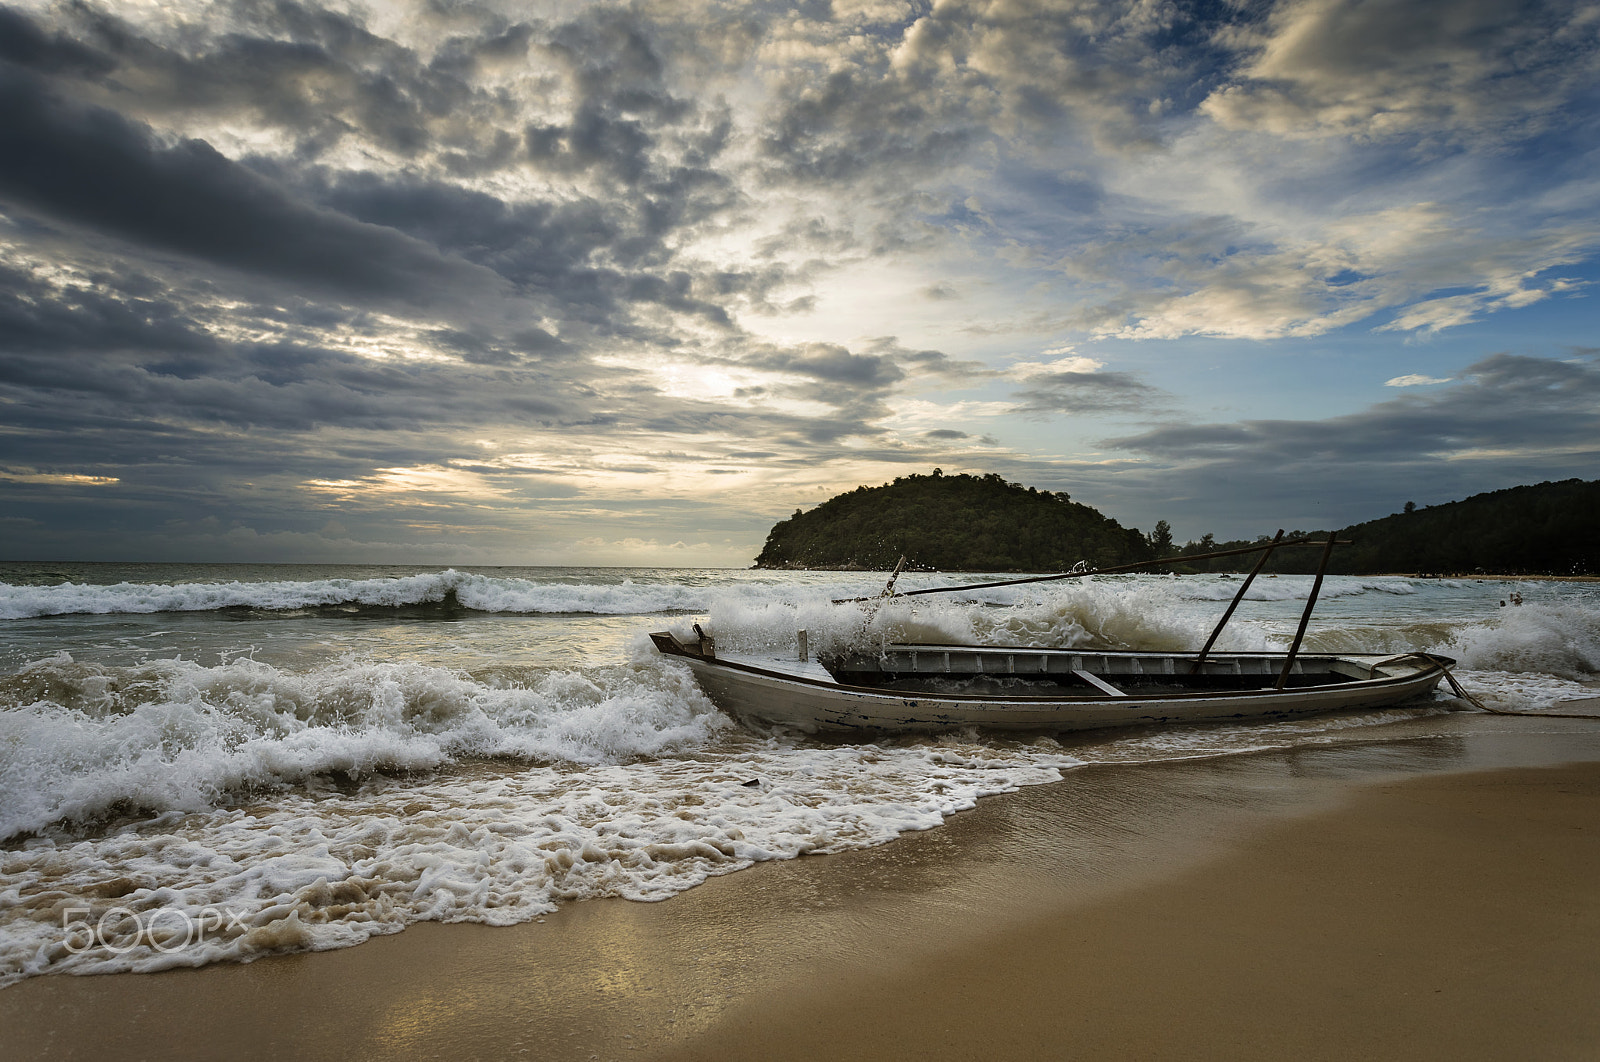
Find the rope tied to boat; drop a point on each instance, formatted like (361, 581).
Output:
(1461, 691)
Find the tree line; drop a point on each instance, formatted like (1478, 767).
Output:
(1550, 528)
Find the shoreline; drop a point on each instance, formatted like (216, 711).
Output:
(1491, 577)
(1228, 907)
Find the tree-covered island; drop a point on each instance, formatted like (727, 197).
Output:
(951, 523)
(983, 523)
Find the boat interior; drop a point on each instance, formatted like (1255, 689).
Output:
(1050, 673)
(1014, 672)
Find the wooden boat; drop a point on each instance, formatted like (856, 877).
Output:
(912, 688)
(941, 687)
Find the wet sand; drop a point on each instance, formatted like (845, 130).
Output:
(1429, 898)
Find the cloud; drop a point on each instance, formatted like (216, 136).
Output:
(30, 475)
(1436, 70)
(829, 363)
(1413, 380)
(1220, 277)
(1087, 392)
(1075, 384)
(27, 44)
(91, 167)
(1509, 419)
(1072, 363)
(929, 363)
(1508, 404)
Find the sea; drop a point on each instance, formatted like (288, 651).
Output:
(204, 763)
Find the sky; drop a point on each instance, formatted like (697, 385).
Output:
(471, 282)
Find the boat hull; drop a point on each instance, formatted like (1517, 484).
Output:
(764, 695)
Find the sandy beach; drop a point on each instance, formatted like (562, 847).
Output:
(1432, 898)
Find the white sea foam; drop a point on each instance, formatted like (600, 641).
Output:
(1558, 639)
(228, 788)
(471, 591)
(1288, 588)
(172, 735)
(325, 869)
(1111, 614)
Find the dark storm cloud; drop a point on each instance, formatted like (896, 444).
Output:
(1508, 419)
(276, 388)
(27, 44)
(1434, 70)
(37, 318)
(546, 247)
(855, 386)
(929, 362)
(317, 75)
(300, 68)
(1087, 392)
(621, 100)
(92, 167)
(838, 129)
(481, 347)
(1506, 404)
(829, 363)
(590, 257)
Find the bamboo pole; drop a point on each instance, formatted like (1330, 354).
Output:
(1226, 616)
(1113, 570)
(1305, 617)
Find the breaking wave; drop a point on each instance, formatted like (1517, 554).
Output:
(85, 741)
(439, 593)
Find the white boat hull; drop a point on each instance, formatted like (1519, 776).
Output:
(807, 698)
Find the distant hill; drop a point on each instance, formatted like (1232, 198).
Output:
(951, 523)
(1544, 529)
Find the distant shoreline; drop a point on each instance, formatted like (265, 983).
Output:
(1357, 575)
(1490, 575)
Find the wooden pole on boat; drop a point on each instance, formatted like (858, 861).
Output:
(1305, 617)
(888, 591)
(875, 603)
(1226, 616)
(1159, 562)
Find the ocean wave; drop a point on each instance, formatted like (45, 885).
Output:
(1288, 588)
(79, 742)
(1552, 639)
(446, 591)
(1098, 614)
(277, 811)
